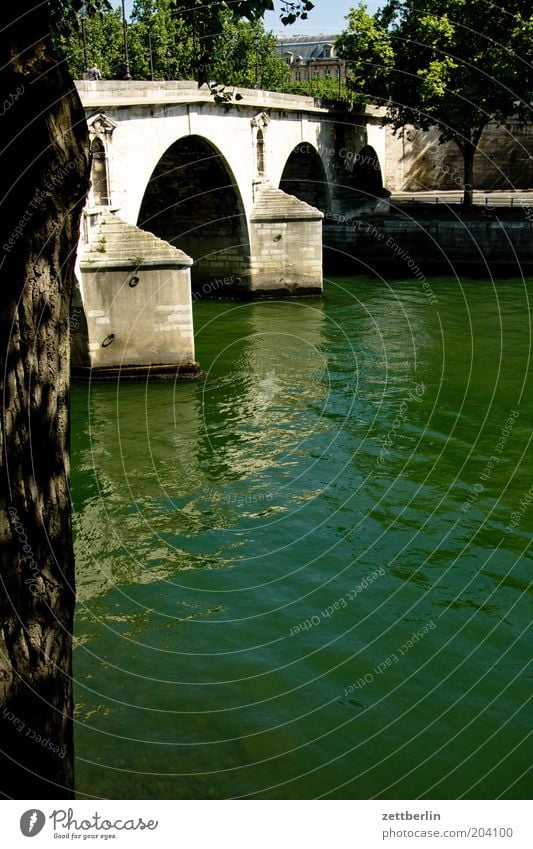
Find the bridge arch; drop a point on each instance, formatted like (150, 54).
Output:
(192, 200)
(304, 176)
(366, 173)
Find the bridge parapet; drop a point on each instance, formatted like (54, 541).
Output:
(101, 93)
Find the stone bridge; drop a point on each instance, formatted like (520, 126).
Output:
(225, 196)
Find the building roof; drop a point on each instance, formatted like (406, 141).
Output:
(308, 47)
(308, 39)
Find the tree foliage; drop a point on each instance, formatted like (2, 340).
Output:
(367, 46)
(104, 41)
(454, 64)
(173, 47)
(177, 39)
(323, 88)
(236, 53)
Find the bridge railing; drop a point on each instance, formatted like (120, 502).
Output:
(480, 199)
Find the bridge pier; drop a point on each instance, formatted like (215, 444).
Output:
(286, 246)
(283, 257)
(132, 313)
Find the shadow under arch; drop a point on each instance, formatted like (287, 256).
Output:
(192, 201)
(366, 173)
(304, 176)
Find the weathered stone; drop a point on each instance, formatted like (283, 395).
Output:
(133, 308)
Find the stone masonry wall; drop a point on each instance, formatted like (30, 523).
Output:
(418, 162)
(287, 255)
(148, 323)
(407, 247)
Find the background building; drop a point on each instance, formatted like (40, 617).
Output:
(311, 58)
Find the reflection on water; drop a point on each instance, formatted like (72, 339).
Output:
(300, 577)
(157, 466)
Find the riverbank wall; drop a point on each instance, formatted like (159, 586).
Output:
(408, 246)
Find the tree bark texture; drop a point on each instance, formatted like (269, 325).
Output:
(44, 176)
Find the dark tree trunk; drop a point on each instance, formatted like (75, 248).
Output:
(469, 151)
(43, 182)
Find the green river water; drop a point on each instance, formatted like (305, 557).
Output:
(309, 575)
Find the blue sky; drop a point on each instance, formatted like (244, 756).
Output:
(327, 17)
